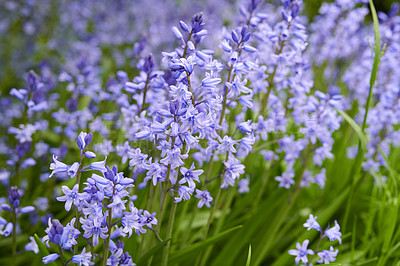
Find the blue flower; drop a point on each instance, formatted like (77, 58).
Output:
(334, 233)
(83, 259)
(327, 256)
(301, 252)
(32, 246)
(50, 258)
(286, 180)
(94, 227)
(190, 175)
(205, 198)
(184, 193)
(71, 196)
(58, 167)
(312, 223)
(83, 140)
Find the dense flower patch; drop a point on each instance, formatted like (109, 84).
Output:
(140, 138)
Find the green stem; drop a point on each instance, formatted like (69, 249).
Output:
(169, 233)
(78, 181)
(225, 97)
(14, 236)
(107, 244)
(165, 191)
(190, 88)
(61, 256)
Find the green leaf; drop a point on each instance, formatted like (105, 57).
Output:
(183, 254)
(377, 57)
(152, 251)
(42, 248)
(248, 257)
(355, 127)
(377, 60)
(392, 172)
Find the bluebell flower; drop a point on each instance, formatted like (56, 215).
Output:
(226, 144)
(54, 232)
(83, 140)
(233, 170)
(334, 233)
(174, 158)
(7, 230)
(95, 228)
(286, 180)
(148, 219)
(327, 256)
(301, 252)
(23, 133)
(184, 193)
(243, 185)
(70, 196)
(312, 223)
(73, 169)
(131, 221)
(190, 175)
(50, 258)
(99, 166)
(32, 246)
(83, 259)
(205, 198)
(58, 167)
(245, 127)
(177, 33)
(69, 235)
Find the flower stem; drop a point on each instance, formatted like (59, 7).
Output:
(61, 256)
(78, 181)
(107, 244)
(14, 237)
(169, 233)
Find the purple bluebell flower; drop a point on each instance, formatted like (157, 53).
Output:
(54, 232)
(286, 180)
(99, 166)
(227, 144)
(205, 198)
(174, 158)
(190, 175)
(83, 140)
(14, 196)
(184, 193)
(7, 230)
(301, 252)
(243, 185)
(312, 223)
(69, 235)
(334, 233)
(32, 246)
(73, 169)
(327, 256)
(50, 258)
(58, 167)
(83, 259)
(148, 219)
(71, 196)
(95, 228)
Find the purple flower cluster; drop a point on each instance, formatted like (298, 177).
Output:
(326, 256)
(179, 108)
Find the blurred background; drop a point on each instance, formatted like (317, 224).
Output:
(34, 32)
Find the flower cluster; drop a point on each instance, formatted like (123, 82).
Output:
(190, 113)
(326, 256)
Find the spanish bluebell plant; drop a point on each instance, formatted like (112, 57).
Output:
(193, 120)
